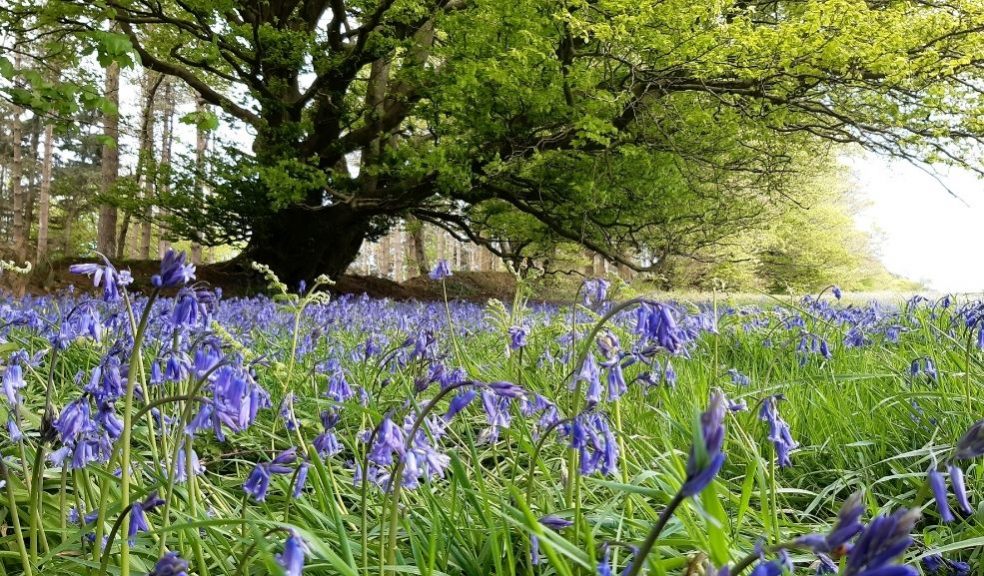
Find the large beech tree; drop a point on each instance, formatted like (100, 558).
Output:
(636, 128)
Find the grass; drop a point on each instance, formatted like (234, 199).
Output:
(861, 420)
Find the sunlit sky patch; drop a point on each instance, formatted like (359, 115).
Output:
(922, 231)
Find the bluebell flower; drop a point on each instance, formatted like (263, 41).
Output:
(138, 519)
(738, 378)
(258, 482)
(937, 565)
(301, 480)
(595, 291)
(855, 338)
(459, 403)
(656, 322)
(883, 540)
(605, 564)
(13, 431)
(960, 489)
(848, 525)
(836, 291)
(506, 389)
(292, 559)
(497, 413)
(938, 485)
(971, 444)
(73, 421)
(441, 270)
(779, 433)
(518, 337)
(170, 564)
(825, 565)
(185, 312)
(556, 524)
(706, 458)
(13, 380)
(591, 375)
(287, 412)
(106, 275)
(389, 440)
(181, 465)
(174, 271)
(669, 374)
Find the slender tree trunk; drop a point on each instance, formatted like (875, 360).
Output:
(16, 184)
(149, 173)
(106, 241)
(167, 139)
(44, 197)
(201, 145)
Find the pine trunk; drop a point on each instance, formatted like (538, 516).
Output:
(44, 195)
(106, 241)
(17, 186)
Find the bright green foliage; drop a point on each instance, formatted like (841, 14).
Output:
(643, 130)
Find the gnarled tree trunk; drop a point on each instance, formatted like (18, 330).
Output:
(300, 243)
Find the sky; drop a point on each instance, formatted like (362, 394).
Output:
(922, 232)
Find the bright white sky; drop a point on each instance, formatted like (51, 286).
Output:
(923, 232)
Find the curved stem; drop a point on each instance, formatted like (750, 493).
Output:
(647, 546)
(124, 515)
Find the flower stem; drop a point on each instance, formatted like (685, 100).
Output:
(647, 546)
(131, 385)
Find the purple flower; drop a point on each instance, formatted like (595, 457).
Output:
(779, 432)
(595, 291)
(258, 482)
(837, 291)
(292, 560)
(883, 540)
(459, 403)
(938, 485)
(441, 271)
(104, 274)
(389, 440)
(959, 489)
(706, 459)
(971, 444)
(301, 480)
(174, 271)
(506, 389)
(138, 519)
(170, 564)
(182, 463)
(848, 525)
(13, 380)
(517, 337)
(590, 374)
(656, 322)
(739, 378)
(556, 524)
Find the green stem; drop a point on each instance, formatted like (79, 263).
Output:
(18, 533)
(647, 546)
(125, 439)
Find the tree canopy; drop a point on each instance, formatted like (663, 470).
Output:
(642, 130)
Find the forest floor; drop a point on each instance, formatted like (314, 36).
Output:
(234, 281)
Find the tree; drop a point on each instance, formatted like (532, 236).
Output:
(108, 213)
(44, 199)
(597, 121)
